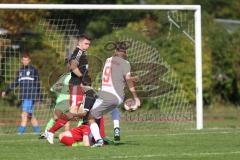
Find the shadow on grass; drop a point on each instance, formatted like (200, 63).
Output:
(134, 143)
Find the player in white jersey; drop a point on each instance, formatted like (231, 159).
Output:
(116, 74)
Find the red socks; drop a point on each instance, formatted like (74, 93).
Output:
(59, 124)
(101, 127)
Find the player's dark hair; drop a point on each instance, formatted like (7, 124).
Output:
(84, 36)
(121, 47)
(25, 55)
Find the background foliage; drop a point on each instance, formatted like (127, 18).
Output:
(221, 51)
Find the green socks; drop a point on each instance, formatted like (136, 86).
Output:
(50, 123)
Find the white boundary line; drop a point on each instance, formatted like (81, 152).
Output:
(201, 154)
(182, 134)
(21, 140)
(169, 155)
(137, 135)
(194, 132)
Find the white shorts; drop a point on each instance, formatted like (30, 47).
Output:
(104, 104)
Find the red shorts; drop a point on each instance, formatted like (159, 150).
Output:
(76, 97)
(79, 132)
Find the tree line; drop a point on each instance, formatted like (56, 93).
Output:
(221, 51)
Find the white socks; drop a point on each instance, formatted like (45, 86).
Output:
(115, 117)
(116, 124)
(95, 131)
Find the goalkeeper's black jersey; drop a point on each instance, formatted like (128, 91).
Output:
(82, 60)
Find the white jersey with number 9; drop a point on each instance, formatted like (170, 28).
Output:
(113, 76)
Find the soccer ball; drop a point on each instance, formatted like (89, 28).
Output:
(130, 105)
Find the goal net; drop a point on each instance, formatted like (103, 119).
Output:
(162, 45)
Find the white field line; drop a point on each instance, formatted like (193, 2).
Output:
(21, 140)
(16, 134)
(187, 133)
(201, 154)
(136, 135)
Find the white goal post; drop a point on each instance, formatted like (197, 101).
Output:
(197, 28)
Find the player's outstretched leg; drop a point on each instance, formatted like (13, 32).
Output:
(50, 137)
(48, 126)
(59, 124)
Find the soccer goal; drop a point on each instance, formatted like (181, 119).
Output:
(164, 51)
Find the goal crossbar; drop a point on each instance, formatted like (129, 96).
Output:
(99, 7)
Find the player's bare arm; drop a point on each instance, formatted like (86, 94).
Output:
(130, 82)
(73, 65)
(81, 113)
(75, 116)
(133, 78)
(86, 141)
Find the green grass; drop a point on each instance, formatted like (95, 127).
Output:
(145, 144)
(219, 140)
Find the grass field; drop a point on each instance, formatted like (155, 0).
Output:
(145, 144)
(219, 140)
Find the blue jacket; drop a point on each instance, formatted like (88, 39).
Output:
(28, 81)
